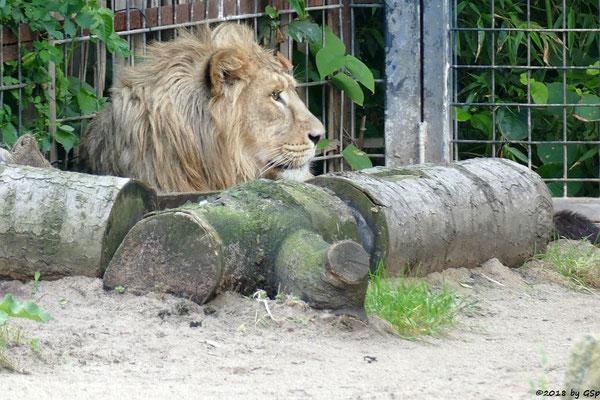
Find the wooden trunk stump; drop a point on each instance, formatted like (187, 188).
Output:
(64, 223)
(273, 235)
(425, 218)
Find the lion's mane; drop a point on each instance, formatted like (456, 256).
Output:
(180, 121)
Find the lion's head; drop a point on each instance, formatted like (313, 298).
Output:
(205, 111)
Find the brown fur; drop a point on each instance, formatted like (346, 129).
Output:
(204, 112)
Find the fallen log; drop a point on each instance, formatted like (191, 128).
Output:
(64, 223)
(426, 218)
(274, 235)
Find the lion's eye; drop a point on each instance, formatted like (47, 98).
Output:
(276, 95)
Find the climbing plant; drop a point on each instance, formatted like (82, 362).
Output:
(51, 21)
(328, 60)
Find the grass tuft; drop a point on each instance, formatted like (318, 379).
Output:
(414, 308)
(580, 263)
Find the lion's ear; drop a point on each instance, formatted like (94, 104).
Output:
(225, 67)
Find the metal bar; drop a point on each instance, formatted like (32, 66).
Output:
(20, 79)
(529, 163)
(76, 118)
(1, 69)
(454, 35)
(11, 87)
(500, 141)
(533, 105)
(206, 21)
(493, 53)
(525, 67)
(540, 30)
(564, 60)
(332, 156)
(565, 180)
(353, 52)
(374, 5)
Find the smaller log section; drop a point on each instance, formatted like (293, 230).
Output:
(275, 235)
(426, 218)
(64, 223)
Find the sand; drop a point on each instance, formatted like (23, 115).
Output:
(514, 334)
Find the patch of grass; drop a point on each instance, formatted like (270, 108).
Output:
(413, 307)
(580, 263)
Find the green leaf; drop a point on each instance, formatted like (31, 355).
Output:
(84, 19)
(361, 72)
(523, 78)
(349, 86)
(357, 159)
(588, 154)
(70, 28)
(323, 143)
(593, 72)
(103, 24)
(66, 137)
(483, 122)
(44, 56)
(555, 170)
(328, 62)
(462, 116)
(9, 134)
(87, 102)
(553, 153)
(52, 27)
(271, 12)
(513, 124)
(298, 30)
(555, 94)
(332, 42)
(588, 114)
(299, 6)
(116, 44)
(28, 310)
(518, 154)
(539, 92)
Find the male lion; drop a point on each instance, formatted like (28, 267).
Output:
(204, 112)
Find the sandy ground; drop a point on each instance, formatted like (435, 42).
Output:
(106, 345)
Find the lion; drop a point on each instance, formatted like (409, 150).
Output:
(203, 112)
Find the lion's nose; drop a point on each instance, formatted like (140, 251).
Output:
(315, 137)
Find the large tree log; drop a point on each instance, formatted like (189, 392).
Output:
(279, 236)
(426, 218)
(64, 223)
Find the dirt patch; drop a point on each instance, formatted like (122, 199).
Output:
(110, 345)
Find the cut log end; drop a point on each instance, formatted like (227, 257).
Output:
(348, 262)
(132, 203)
(174, 253)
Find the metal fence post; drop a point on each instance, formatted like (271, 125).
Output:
(417, 126)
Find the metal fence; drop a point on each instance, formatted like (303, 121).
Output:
(525, 86)
(142, 21)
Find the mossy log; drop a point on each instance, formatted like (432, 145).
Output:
(275, 235)
(64, 223)
(426, 218)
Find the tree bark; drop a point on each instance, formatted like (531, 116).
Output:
(64, 223)
(274, 235)
(426, 218)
